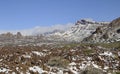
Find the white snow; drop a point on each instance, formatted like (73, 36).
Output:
(4, 70)
(79, 32)
(107, 53)
(73, 69)
(60, 72)
(27, 72)
(83, 66)
(106, 67)
(38, 53)
(26, 56)
(1, 60)
(95, 65)
(36, 69)
(89, 58)
(72, 64)
(17, 68)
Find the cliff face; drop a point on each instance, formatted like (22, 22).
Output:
(82, 29)
(106, 33)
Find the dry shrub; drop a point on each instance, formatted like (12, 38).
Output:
(58, 62)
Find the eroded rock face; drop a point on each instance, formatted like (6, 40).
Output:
(106, 33)
(7, 35)
(82, 29)
(115, 23)
(85, 21)
(19, 35)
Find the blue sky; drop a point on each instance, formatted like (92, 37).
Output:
(25, 14)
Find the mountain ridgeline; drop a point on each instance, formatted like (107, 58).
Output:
(49, 54)
(80, 31)
(84, 30)
(88, 31)
(106, 33)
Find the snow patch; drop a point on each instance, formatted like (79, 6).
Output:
(107, 53)
(26, 56)
(36, 69)
(4, 70)
(38, 53)
(72, 64)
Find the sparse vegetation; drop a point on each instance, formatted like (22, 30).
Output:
(91, 70)
(117, 72)
(58, 62)
(49, 57)
(109, 45)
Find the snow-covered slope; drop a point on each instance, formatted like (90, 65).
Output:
(106, 33)
(82, 29)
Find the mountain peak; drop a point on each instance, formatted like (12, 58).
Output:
(106, 33)
(85, 21)
(115, 23)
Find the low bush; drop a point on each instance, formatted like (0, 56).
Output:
(58, 62)
(91, 70)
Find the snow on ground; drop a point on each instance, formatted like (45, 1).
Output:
(107, 53)
(1, 60)
(95, 65)
(106, 67)
(73, 70)
(4, 70)
(36, 69)
(72, 64)
(26, 56)
(39, 53)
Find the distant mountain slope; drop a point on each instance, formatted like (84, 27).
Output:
(82, 29)
(106, 33)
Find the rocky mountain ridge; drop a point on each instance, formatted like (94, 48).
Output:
(46, 54)
(106, 33)
(82, 29)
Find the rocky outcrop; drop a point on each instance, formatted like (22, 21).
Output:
(68, 59)
(11, 36)
(106, 33)
(19, 35)
(7, 35)
(82, 29)
(85, 21)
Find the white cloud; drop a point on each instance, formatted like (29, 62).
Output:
(40, 29)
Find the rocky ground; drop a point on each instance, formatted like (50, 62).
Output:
(95, 49)
(61, 59)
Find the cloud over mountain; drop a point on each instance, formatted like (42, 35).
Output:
(41, 29)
